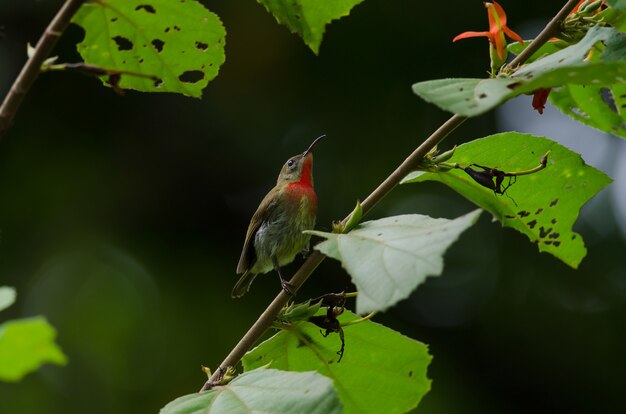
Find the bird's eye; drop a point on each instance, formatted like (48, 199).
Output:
(290, 163)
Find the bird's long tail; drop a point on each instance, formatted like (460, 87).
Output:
(243, 284)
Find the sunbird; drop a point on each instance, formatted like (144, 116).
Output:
(275, 234)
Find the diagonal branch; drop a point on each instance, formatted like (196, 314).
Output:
(32, 68)
(551, 30)
(264, 321)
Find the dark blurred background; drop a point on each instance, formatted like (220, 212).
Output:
(122, 218)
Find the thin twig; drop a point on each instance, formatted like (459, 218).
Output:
(363, 319)
(546, 34)
(95, 70)
(32, 68)
(267, 317)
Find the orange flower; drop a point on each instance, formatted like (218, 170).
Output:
(497, 30)
(577, 6)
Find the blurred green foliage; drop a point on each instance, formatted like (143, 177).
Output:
(122, 218)
(26, 344)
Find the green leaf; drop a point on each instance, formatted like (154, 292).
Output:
(180, 43)
(614, 17)
(598, 107)
(573, 55)
(263, 391)
(390, 257)
(466, 97)
(381, 371)
(546, 49)
(601, 108)
(7, 297)
(308, 18)
(618, 4)
(26, 344)
(298, 311)
(355, 217)
(543, 205)
(471, 97)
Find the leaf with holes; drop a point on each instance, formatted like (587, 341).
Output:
(543, 205)
(390, 257)
(176, 46)
(601, 108)
(25, 345)
(308, 18)
(7, 297)
(263, 391)
(471, 97)
(382, 371)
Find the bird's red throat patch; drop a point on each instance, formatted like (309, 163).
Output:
(305, 176)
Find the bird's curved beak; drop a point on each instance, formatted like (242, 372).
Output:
(312, 146)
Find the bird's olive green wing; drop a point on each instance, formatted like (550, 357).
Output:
(248, 254)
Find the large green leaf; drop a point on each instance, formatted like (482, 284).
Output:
(471, 97)
(7, 297)
(308, 18)
(381, 370)
(180, 43)
(390, 257)
(466, 97)
(596, 106)
(599, 107)
(574, 55)
(263, 391)
(26, 344)
(543, 205)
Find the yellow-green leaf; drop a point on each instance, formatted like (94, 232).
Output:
(25, 345)
(178, 43)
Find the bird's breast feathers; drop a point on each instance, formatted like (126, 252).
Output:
(302, 197)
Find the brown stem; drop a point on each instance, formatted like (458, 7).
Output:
(268, 316)
(32, 68)
(551, 29)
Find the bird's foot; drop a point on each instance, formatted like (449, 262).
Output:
(287, 287)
